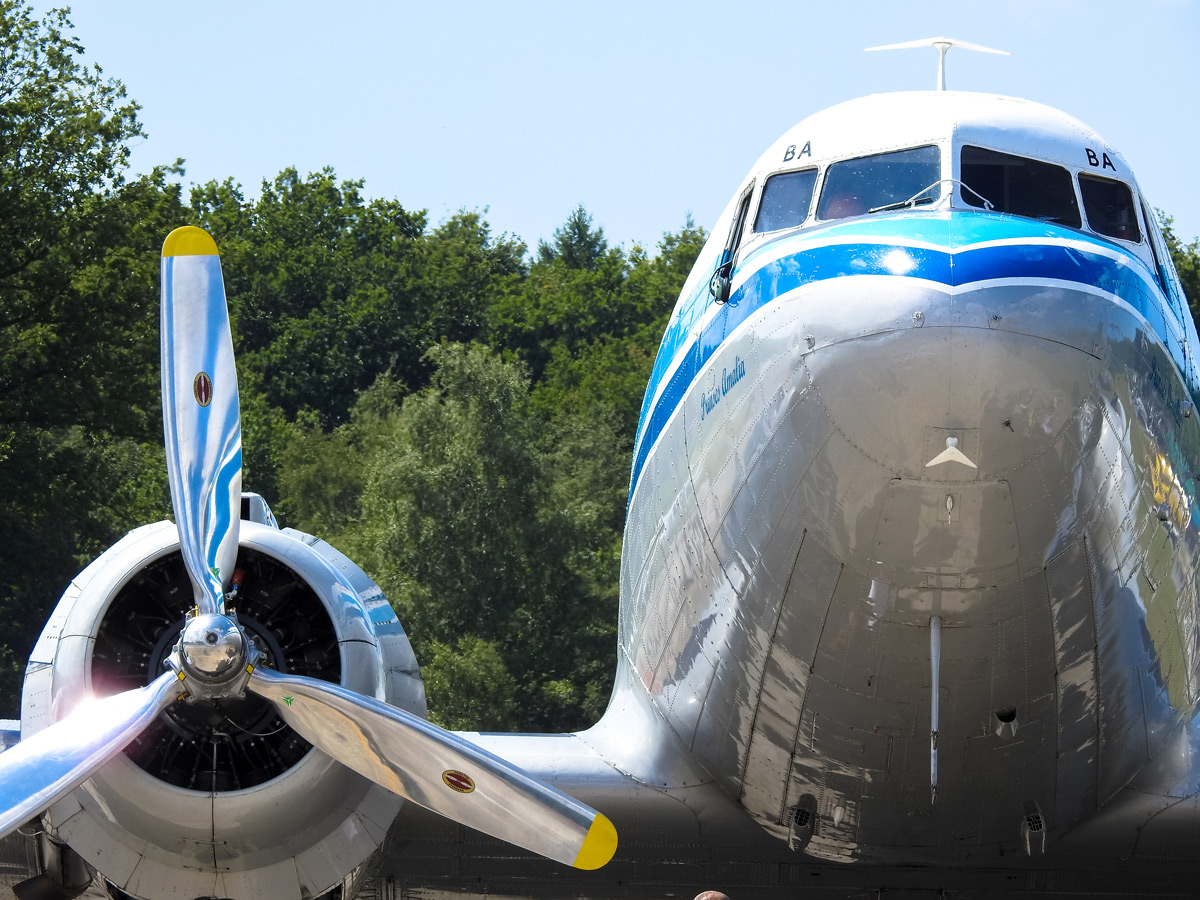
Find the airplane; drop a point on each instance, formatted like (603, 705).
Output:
(908, 583)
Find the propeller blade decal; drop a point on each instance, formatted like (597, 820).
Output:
(440, 770)
(47, 766)
(202, 429)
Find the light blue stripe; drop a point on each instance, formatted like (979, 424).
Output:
(1126, 276)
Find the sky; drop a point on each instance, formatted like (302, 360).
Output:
(644, 111)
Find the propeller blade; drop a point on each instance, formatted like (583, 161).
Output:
(47, 766)
(440, 770)
(202, 430)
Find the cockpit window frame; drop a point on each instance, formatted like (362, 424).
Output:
(963, 187)
(722, 276)
(828, 168)
(741, 221)
(1133, 206)
(818, 177)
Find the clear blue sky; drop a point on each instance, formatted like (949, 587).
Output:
(642, 110)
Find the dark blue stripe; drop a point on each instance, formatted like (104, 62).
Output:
(839, 260)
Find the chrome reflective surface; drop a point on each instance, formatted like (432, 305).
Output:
(212, 647)
(887, 506)
(151, 838)
(201, 425)
(47, 765)
(430, 766)
(799, 524)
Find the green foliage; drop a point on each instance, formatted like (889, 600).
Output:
(328, 290)
(463, 270)
(458, 525)
(580, 291)
(487, 503)
(321, 287)
(79, 411)
(456, 417)
(1187, 263)
(63, 130)
(576, 244)
(64, 137)
(468, 686)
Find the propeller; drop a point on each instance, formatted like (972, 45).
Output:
(201, 426)
(439, 770)
(214, 659)
(44, 768)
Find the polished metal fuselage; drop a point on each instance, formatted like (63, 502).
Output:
(800, 570)
(788, 545)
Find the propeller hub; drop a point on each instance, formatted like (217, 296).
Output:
(212, 648)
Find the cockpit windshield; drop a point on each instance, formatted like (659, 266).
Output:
(785, 201)
(855, 187)
(1018, 185)
(1109, 207)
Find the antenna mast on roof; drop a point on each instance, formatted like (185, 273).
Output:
(942, 44)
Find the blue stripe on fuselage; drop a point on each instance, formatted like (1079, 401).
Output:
(875, 255)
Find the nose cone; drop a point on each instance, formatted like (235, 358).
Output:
(952, 404)
(956, 433)
(212, 647)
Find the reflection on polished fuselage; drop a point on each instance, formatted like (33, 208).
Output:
(798, 545)
(909, 569)
(923, 571)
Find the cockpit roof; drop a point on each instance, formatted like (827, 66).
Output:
(882, 122)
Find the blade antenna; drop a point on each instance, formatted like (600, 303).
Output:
(942, 45)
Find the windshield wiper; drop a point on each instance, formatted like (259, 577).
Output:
(911, 201)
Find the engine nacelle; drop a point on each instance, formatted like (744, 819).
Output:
(220, 798)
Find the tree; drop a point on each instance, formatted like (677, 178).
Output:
(469, 687)
(482, 486)
(604, 375)
(1187, 263)
(464, 271)
(79, 457)
(321, 285)
(63, 141)
(459, 526)
(576, 244)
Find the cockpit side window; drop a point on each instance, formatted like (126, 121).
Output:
(719, 284)
(786, 199)
(1018, 185)
(855, 187)
(1109, 207)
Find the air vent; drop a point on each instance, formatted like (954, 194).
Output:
(1033, 829)
(804, 822)
(1005, 722)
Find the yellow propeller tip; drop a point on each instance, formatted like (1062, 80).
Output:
(598, 846)
(189, 241)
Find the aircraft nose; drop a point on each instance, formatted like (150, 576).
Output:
(935, 403)
(949, 441)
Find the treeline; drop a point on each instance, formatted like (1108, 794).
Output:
(457, 418)
(452, 409)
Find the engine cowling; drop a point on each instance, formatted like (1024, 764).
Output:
(221, 798)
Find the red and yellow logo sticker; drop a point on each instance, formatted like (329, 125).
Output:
(458, 781)
(202, 389)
